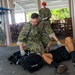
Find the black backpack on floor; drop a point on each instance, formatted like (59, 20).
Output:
(31, 61)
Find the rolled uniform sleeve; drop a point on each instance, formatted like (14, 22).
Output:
(23, 34)
(51, 35)
(19, 43)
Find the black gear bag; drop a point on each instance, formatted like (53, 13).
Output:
(30, 62)
(33, 62)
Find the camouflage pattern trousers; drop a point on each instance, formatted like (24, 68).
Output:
(36, 47)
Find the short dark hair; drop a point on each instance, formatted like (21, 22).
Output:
(34, 15)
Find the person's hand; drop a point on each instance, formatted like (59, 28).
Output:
(59, 43)
(45, 18)
(22, 52)
(47, 49)
(25, 52)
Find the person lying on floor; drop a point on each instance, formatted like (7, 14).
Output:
(63, 53)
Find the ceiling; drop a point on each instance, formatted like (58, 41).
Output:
(31, 5)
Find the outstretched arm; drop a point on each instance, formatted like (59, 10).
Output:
(57, 40)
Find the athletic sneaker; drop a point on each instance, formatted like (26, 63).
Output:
(61, 68)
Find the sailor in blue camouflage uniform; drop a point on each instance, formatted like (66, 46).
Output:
(29, 37)
(47, 32)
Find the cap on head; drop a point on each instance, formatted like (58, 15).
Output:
(44, 3)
